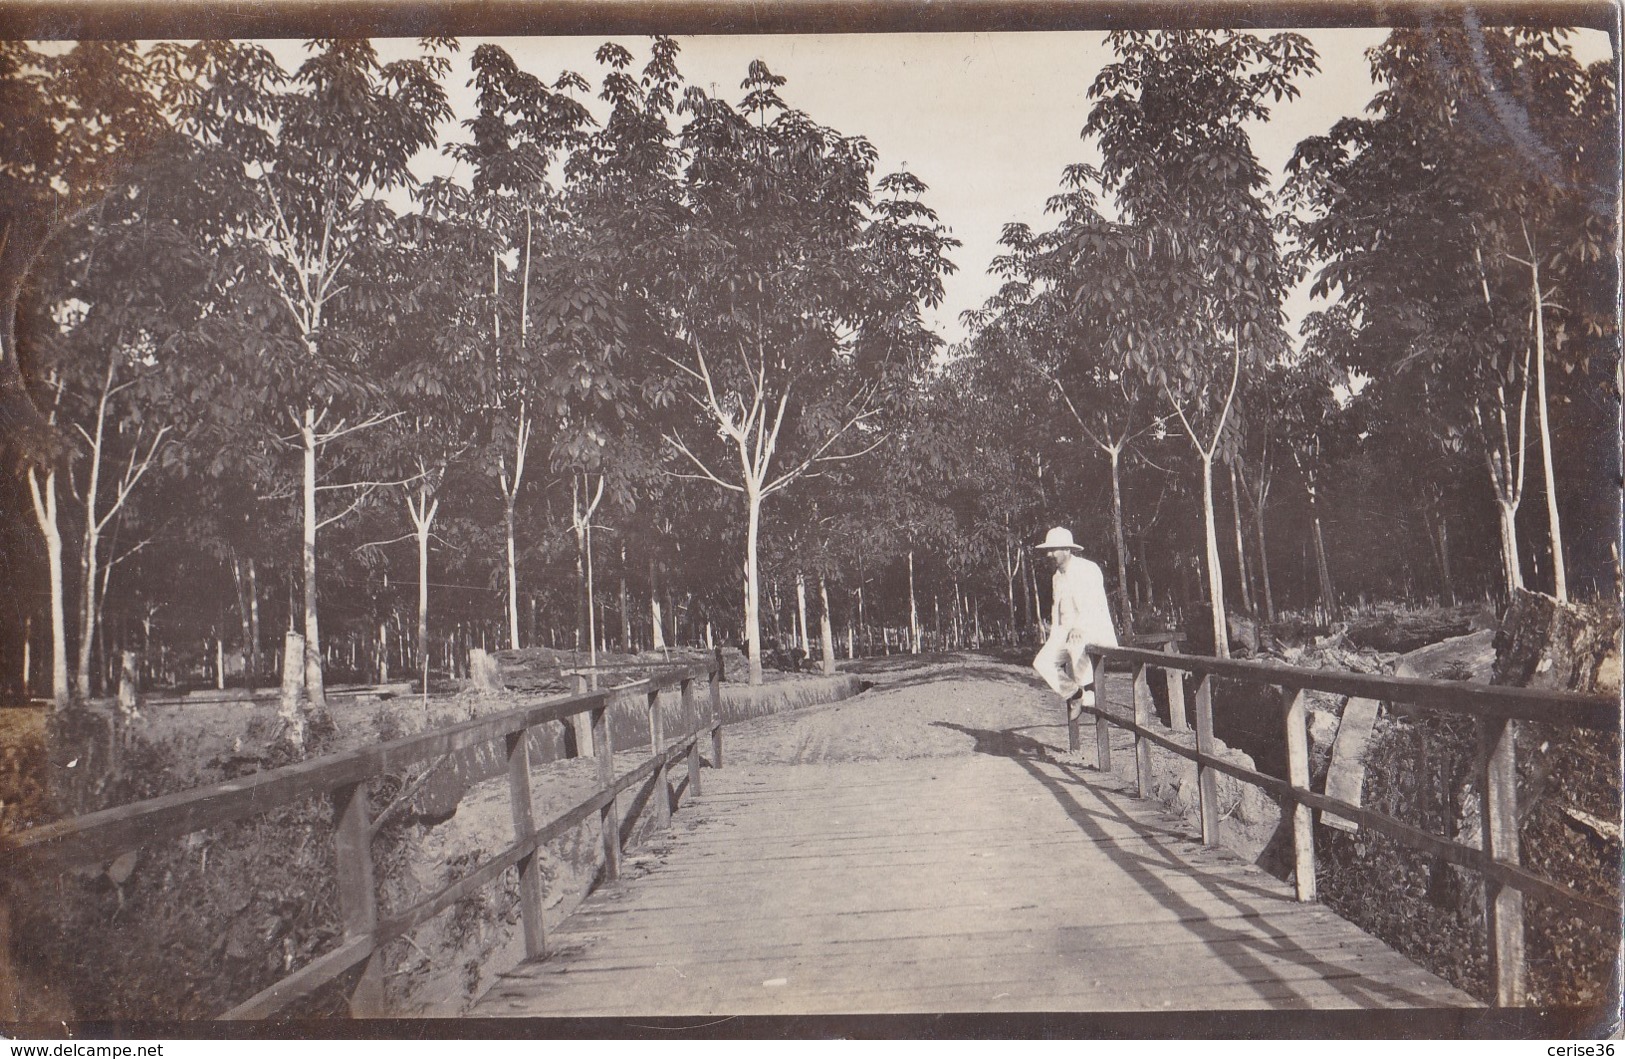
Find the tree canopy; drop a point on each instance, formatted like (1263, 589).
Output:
(649, 364)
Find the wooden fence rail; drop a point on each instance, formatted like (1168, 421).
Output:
(1496, 710)
(102, 836)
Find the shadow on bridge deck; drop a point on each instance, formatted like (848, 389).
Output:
(1003, 879)
(1249, 952)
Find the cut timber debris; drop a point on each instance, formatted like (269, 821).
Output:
(1605, 829)
(1345, 778)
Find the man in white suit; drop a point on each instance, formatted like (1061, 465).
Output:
(1080, 616)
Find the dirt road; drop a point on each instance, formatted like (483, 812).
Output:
(939, 709)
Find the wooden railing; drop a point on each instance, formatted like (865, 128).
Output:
(1168, 643)
(1497, 711)
(97, 838)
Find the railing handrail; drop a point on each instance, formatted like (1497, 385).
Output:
(568, 668)
(1495, 709)
(103, 835)
(107, 833)
(1448, 696)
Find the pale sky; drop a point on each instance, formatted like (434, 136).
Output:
(987, 120)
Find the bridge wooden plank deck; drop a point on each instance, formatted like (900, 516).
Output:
(983, 882)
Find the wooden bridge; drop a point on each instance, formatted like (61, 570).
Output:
(1016, 877)
(1004, 881)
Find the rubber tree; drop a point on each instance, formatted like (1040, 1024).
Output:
(1549, 218)
(76, 121)
(43, 492)
(1447, 220)
(324, 150)
(1047, 348)
(1312, 428)
(1194, 299)
(524, 126)
(796, 302)
(131, 297)
(582, 253)
(439, 364)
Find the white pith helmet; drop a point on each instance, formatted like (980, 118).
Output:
(1059, 539)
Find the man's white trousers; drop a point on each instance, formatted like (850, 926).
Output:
(1064, 666)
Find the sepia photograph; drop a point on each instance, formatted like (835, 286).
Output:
(883, 519)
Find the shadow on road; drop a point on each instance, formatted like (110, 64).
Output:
(972, 671)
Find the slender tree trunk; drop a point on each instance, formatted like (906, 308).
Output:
(913, 608)
(1024, 582)
(1126, 606)
(626, 614)
(513, 573)
(1215, 576)
(1012, 567)
(253, 626)
(1560, 580)
(753, 620)
(1438, 545)
(28, 650)
(239, 579)
(1263, 553)
(44, 497)
(1504, 460)
(658, 634)
(776, 610)
(581, 585)
(1038, 604)
(88, 554)
(1443, 533)
(1511, 568)
(870, 646)
(955, 626)
(592, 613)
(315, 688)
(422, 519)
(826, 628)
(1243, 573)
(1328, 595)
(801, 614)
(510, 499)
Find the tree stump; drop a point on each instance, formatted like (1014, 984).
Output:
(1558, 646)
(1565, 776)
(484, 675)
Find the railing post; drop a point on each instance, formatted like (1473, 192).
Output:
(1103, 730)
(1175, 681)
(524, 826)
(657, 745)
(1498, 811)
(1207, 781)
(716, 712)
(358, 896)
(1142, 719)
(578, 728)
(1297, 774)
(609, 817)
(1074, 740)
(691, 723)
